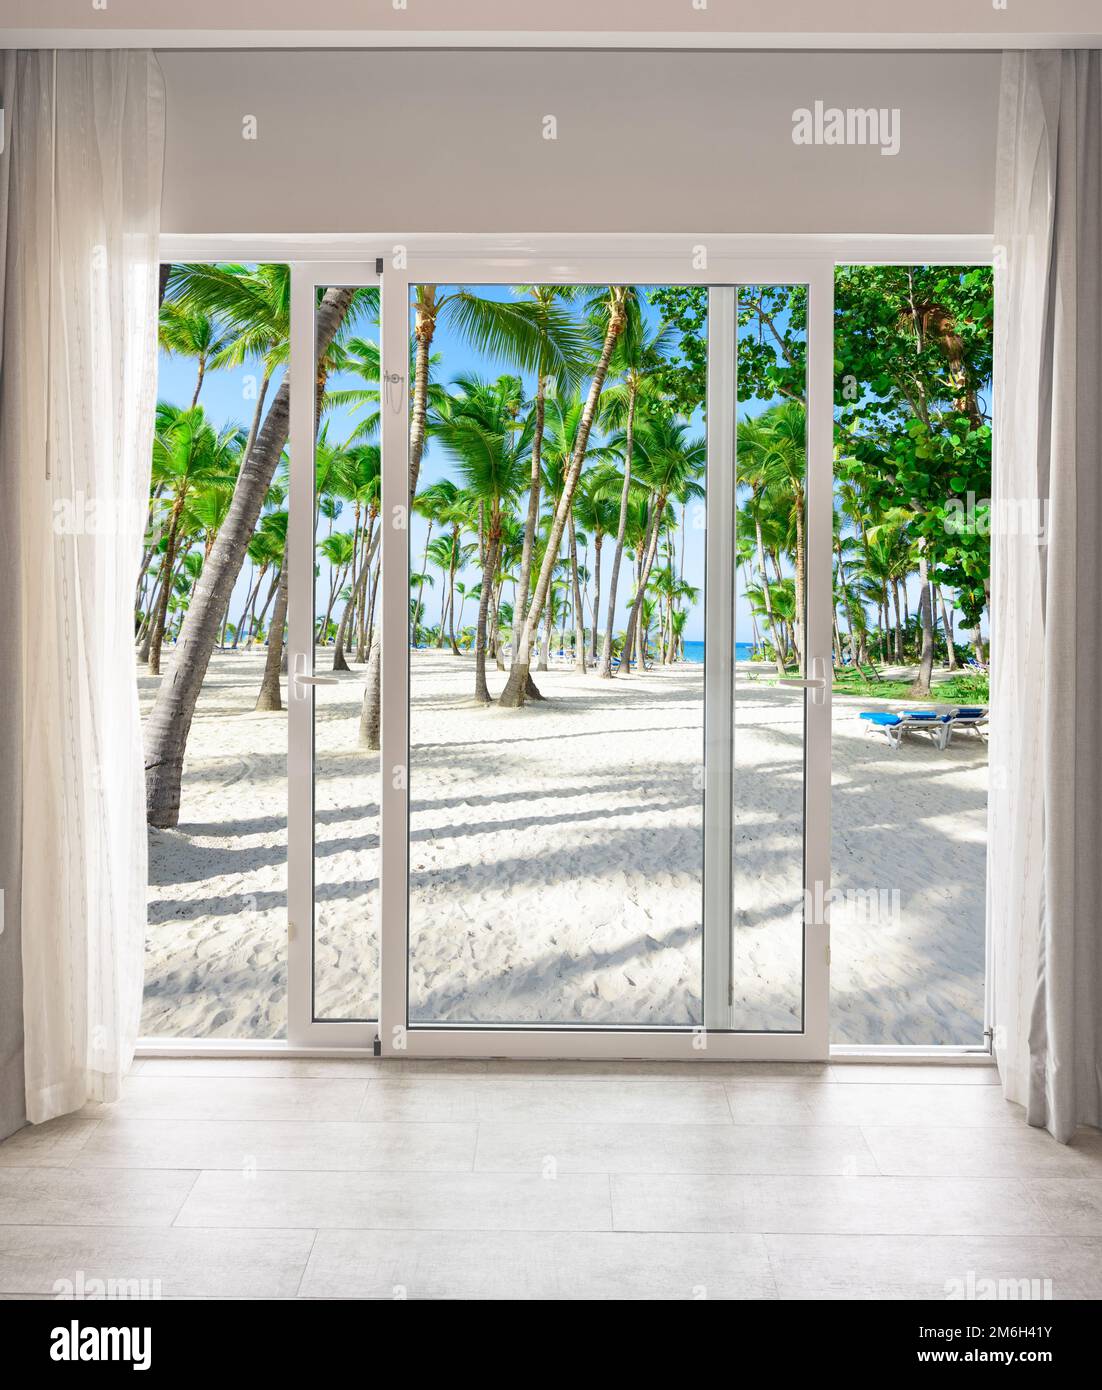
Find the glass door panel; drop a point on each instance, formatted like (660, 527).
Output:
(771, 645)
(912, 490)
(556, 660)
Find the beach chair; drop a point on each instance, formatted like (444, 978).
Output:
(895, 726)
(965, 719)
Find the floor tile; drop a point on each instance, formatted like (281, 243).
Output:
(848, 1206)
(924, 1267)
(656, 1148)
(49, 1145)
(995, 1151)
(236, 1098)
(252, 1144)
(507, 1265)
(68, 1197)
(542, 1100)
(165, 1263)
(414, 1201)
(870, 1104)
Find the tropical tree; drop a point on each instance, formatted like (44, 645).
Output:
(482, 434)
(187, 455)
(610, 313)
(669, 464)
(169, 721)
(637, 361)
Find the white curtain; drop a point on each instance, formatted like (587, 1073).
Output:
(1045, 856)
(87, 133)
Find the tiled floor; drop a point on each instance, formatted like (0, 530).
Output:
(374, 1179)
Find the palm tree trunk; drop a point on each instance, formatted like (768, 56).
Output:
(597, 539)
(950, 640)
(169, 721)
(898, 622)
(451, 598)
(481, 689)
(779, 650)
(634, 638)
(340, 662)
(531, 520)
(921, 686)
(166, 589)
(255, 426)
(605, 671)
(545, 645)
(419, 609)
(579, 616)
(424, 326)
(800, 634)
(371, 709)
(516, 687)
(269, 696)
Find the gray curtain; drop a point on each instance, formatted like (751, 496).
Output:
(12, 1107)
(1045, 865)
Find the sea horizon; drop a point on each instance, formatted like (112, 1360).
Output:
(694, 652)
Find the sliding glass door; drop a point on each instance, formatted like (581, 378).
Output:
(565, 587)
(604, 664)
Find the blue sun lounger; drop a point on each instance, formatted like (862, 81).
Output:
(895, 726)
(940, 727)
(966, 719)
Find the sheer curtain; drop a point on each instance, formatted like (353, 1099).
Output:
(1045, 865)
(87, 136)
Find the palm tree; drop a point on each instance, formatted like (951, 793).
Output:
(169, 721)
(668, 465)
(192, 334)
(431, 503)
(481, 433)
(339, 549)
(596, 507)
(565, 356)
(637, 358)
(187, 454)
(611, 313)
(513, 332)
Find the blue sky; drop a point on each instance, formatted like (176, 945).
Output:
(226, 398)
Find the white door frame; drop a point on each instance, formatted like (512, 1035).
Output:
(351, 259)
(303, 1028)
(398, 1036)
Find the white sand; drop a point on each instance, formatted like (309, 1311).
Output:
(555, 862)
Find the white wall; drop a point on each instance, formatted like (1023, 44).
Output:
(363, 141)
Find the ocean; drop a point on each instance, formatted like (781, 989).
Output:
(694, 651)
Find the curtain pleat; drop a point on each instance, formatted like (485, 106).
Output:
(87, 137)
(1045, 844)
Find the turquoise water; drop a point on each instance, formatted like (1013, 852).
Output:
(694, 651)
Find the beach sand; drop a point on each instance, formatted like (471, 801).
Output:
(556, 862)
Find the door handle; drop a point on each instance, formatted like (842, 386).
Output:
(300, 679)
(817, 683)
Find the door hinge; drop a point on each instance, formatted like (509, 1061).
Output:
(378, 265)
(377, 1046)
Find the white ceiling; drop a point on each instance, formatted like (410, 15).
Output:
(946, 24)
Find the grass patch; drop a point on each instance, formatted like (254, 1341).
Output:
(957, 690)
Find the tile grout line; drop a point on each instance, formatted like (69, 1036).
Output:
(306, 1264)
